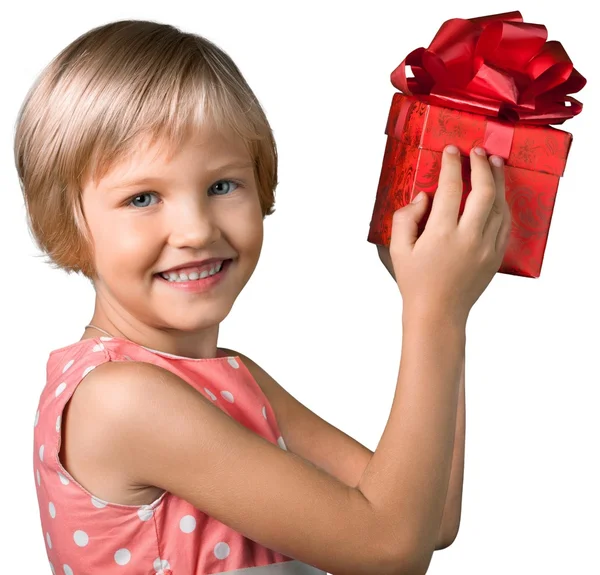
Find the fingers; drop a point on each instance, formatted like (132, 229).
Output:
(447, 198)
(405, 225)
(486, 198)
(499, 211)
(486, 215)
(503, 236)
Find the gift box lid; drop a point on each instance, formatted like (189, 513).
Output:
(431, 127)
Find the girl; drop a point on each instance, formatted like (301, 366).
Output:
(156, 452)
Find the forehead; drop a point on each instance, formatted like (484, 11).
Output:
(209, 146)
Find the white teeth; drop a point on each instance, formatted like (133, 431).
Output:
(177, 277)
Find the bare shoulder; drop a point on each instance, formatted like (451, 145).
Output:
(199, 453)
(85, 421)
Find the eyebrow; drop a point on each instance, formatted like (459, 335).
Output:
(122, 185)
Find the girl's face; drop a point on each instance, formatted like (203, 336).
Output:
(151, 213)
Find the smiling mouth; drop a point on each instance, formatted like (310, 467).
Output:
(177, 277)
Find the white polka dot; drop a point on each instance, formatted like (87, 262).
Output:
(37, 418)
(67, 570)
(98, 502)
(60, 389)
(42, 452)
(264, 411)
(98, 347)
(122, 556)
(87, 370)
(210, 394)
(58, 421)
(161, 564)
(62, 478)
(39, 479)
(145, 513)
(221, 550)
(52, 568)
(281, 443)
(68, 365)
(227, 395)
(233, 362)
(187, 524)
(52, 510)
(48, 540)
(105, 338)
(81, 538)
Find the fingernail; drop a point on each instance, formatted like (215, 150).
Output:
(451, 149)
(479, 151)
(497, 161)
(418, 198)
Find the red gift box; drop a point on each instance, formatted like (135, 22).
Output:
(476, 97)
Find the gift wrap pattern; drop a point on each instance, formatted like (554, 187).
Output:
(417, 134)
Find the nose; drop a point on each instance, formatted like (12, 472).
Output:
(193, 225)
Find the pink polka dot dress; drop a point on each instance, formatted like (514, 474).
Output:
(85, 535)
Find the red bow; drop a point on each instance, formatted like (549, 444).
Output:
(497, 66)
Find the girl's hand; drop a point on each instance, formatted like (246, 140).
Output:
(449, 266)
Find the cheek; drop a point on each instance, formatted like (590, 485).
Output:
(122, 249)
(250, 233)
(242, 226)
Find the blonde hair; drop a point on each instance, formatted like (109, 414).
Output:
(112, 85)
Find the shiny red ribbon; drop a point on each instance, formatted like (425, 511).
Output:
(494, 65)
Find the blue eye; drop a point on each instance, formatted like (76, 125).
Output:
(227, 182)
(147, 194)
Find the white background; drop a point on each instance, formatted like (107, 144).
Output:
(321, 314)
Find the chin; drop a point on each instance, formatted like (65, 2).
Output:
(194, 321)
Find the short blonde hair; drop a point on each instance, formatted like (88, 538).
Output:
(112, 85)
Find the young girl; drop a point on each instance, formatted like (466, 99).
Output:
(156, 452)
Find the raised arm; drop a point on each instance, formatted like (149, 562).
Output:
(387, 525)
(453, 503)
(329, 448)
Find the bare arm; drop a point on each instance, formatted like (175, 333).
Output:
(415, 453)
(453, 504)
(342, 456)
(390, 519)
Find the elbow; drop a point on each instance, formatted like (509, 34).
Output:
(447, 538)
(418, 564)
(410, 560)
(404, 551)
(415, 559)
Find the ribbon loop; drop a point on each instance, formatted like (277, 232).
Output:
(495, 65)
